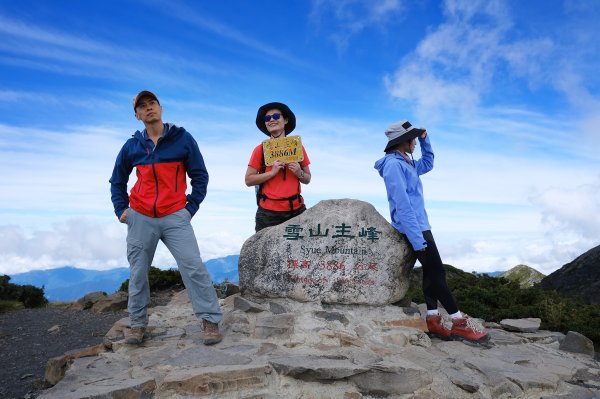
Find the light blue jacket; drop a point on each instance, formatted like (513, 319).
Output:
(405, 192)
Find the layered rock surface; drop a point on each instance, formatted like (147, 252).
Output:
(282, 348)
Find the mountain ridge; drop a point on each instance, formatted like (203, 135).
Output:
(69, 283)
(578, 279)
(524, 275)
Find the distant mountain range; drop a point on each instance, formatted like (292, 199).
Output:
(579, 279)
(71, 283)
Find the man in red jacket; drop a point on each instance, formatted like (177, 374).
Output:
(158, 208)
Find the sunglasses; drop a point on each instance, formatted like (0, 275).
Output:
(274, 116)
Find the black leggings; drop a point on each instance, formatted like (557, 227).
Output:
(434, 277)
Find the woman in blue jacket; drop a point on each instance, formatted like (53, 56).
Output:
(401, 173)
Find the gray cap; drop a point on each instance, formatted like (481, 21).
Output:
(401, 132)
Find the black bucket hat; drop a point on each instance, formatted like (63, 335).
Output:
(285, 111)
(401, 132)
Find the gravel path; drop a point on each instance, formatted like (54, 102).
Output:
(26, 344)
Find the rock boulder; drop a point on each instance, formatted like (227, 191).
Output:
(339, 251)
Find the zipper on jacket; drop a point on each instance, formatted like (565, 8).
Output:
(176, 176)
(156, 181)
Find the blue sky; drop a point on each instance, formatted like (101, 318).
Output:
(508, 90)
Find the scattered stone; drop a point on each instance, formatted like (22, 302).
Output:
(111, 303)
(226, 289)
(392, 378)
(332, 316)
(216, 380)
(577, 343)
(528, 325)
(57, 366)
(411, 310)
(54, 329)
(542, 337)
(277, 308)
(246, 305)
(88, 300)
(316, 368)
(462, 379)
(281, 326)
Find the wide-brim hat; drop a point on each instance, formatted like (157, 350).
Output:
(143, 94)
(285, 111)
(401, 132)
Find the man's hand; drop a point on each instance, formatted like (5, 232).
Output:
(123, 218)
(424, 134)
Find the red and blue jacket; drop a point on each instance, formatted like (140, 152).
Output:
(161, 174)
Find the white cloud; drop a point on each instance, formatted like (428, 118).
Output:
(455, 65)
(351, 17)
(76, 241)
(27, 31)
(96, 244)
(200, 19)
(575, 210)
(48, 49)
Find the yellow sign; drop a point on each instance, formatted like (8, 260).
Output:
(286, 149)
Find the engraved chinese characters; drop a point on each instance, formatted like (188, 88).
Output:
(339, 251)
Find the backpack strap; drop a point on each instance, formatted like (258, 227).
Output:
(263, 167)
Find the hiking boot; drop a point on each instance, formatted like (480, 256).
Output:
(439, 326)
(211, 333)
(134, 335)
(469, 329)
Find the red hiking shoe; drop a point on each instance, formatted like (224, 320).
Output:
(439, 326)
(469, 329)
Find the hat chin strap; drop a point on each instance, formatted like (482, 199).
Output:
(279, 135)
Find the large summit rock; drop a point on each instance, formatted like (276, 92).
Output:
(339, 251)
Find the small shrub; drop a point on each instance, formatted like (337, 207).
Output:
(159, 279)
(29, 295)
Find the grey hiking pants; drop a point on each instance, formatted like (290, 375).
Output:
(177, 234)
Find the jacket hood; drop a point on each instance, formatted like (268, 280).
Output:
(380, 164)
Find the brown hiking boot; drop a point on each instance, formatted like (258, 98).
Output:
(439, 326)
(469, 329)
(211, 334)
(134, 335)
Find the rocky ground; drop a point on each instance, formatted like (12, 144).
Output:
(280, 348)
(29, 337)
